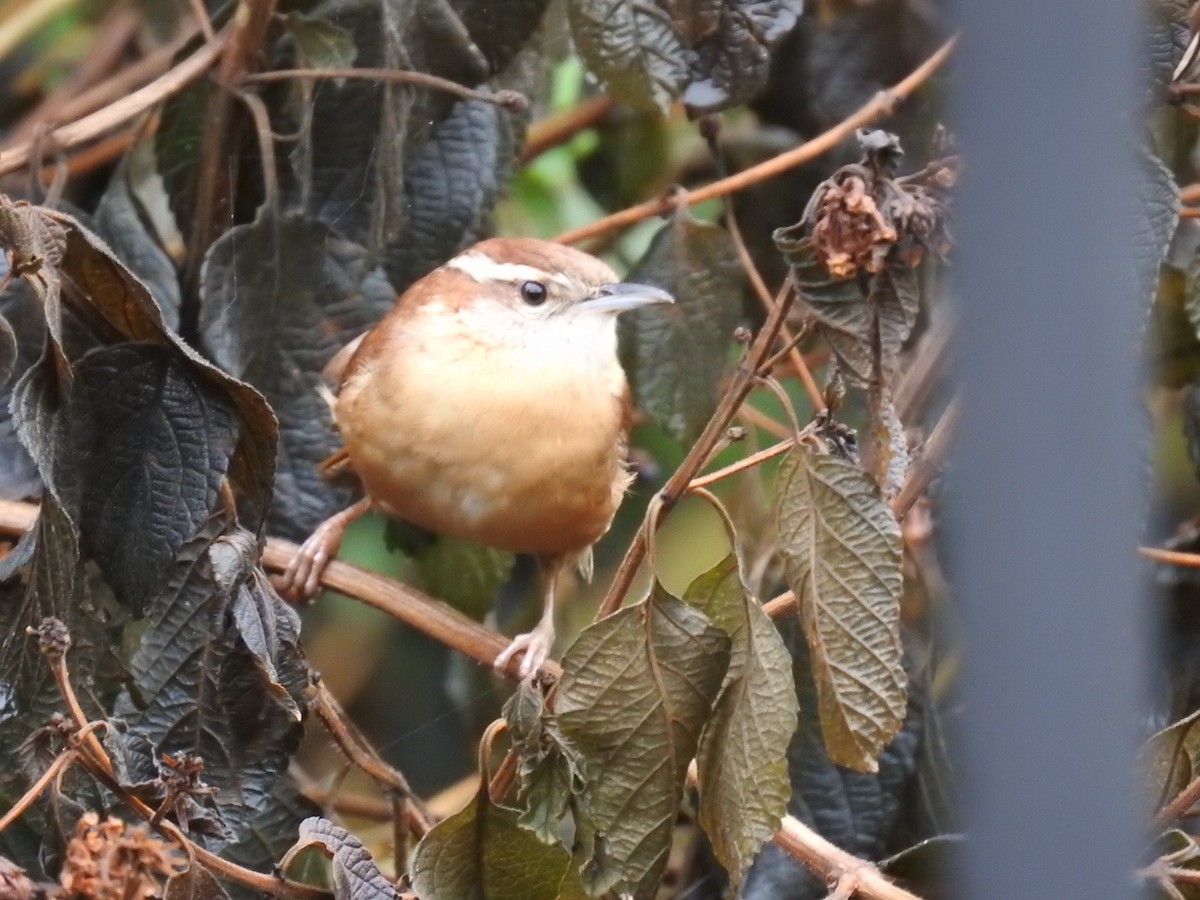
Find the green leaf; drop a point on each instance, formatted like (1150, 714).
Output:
(1169, 760)
(464, 573)
(355, 875)
(847, 314)
(842, 552)
(278, 297)
(481, 853)
(732, 56)
(676, 355)
(632, 47)
(550, 770)
(742, 761)
(635, 693)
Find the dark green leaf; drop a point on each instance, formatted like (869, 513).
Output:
(741, 762)
(733, 56)
(481, 853)
(197, 688)
(636, 691)
(860, 812)
(1169, 760)
(676, 355)
(355, 875)
(278, 298)
(464, 573)
(632, 47)
(121, 221)
(848, 317)
(151, 444)
(1154, 219)
(842, 551)
(451, 184)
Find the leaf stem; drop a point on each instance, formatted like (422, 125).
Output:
(360, 752)
(881, 104)
(742, 464)
(93, 757)
(743, 381)
(513, 101)
(121, 111)
(61, 762)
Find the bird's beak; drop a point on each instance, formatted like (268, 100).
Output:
(622, 296)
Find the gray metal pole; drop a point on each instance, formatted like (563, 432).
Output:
(1045, 499)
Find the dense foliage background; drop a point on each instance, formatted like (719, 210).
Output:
(203, 202)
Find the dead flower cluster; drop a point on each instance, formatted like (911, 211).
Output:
(108, 860)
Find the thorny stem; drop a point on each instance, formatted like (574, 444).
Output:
(881, 104)
(513, 101)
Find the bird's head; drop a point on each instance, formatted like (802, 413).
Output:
(519, 289)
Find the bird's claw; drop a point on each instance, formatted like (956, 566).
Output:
(302, 578)
(536, 644)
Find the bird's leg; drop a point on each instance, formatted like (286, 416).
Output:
(302, 578)
(537, 643)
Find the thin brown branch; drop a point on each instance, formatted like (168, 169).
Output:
(834, 864)
(121, 111)
(929, 463)
(561, 127)
(92, 756)
(360, 752)
(349, 804)
(1179, 806)
(60, 764)
(118, 28)
(1174, 557)
(513, 101)
(1190, 194)
(881, 104)
(742, 464)
(740, 385)
(815, 397)
(918, 385)
(217, 174)
(439, 620)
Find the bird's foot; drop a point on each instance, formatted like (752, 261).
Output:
(301, 580)
(536, 644)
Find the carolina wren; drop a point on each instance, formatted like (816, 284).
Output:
(489, 404)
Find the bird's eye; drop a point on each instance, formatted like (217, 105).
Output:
(533, 293)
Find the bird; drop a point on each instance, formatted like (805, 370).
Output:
(490, 404)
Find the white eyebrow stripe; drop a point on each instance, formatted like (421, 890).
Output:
(483, 268)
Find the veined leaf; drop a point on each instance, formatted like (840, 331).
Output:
(632, 47)
(355, 875)
(848, 317)
(742, 761)
(636, 691)
(676, 354)
(841, 547)
(481, 853)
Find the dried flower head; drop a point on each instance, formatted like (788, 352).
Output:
(862, 216)
(107, 860)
